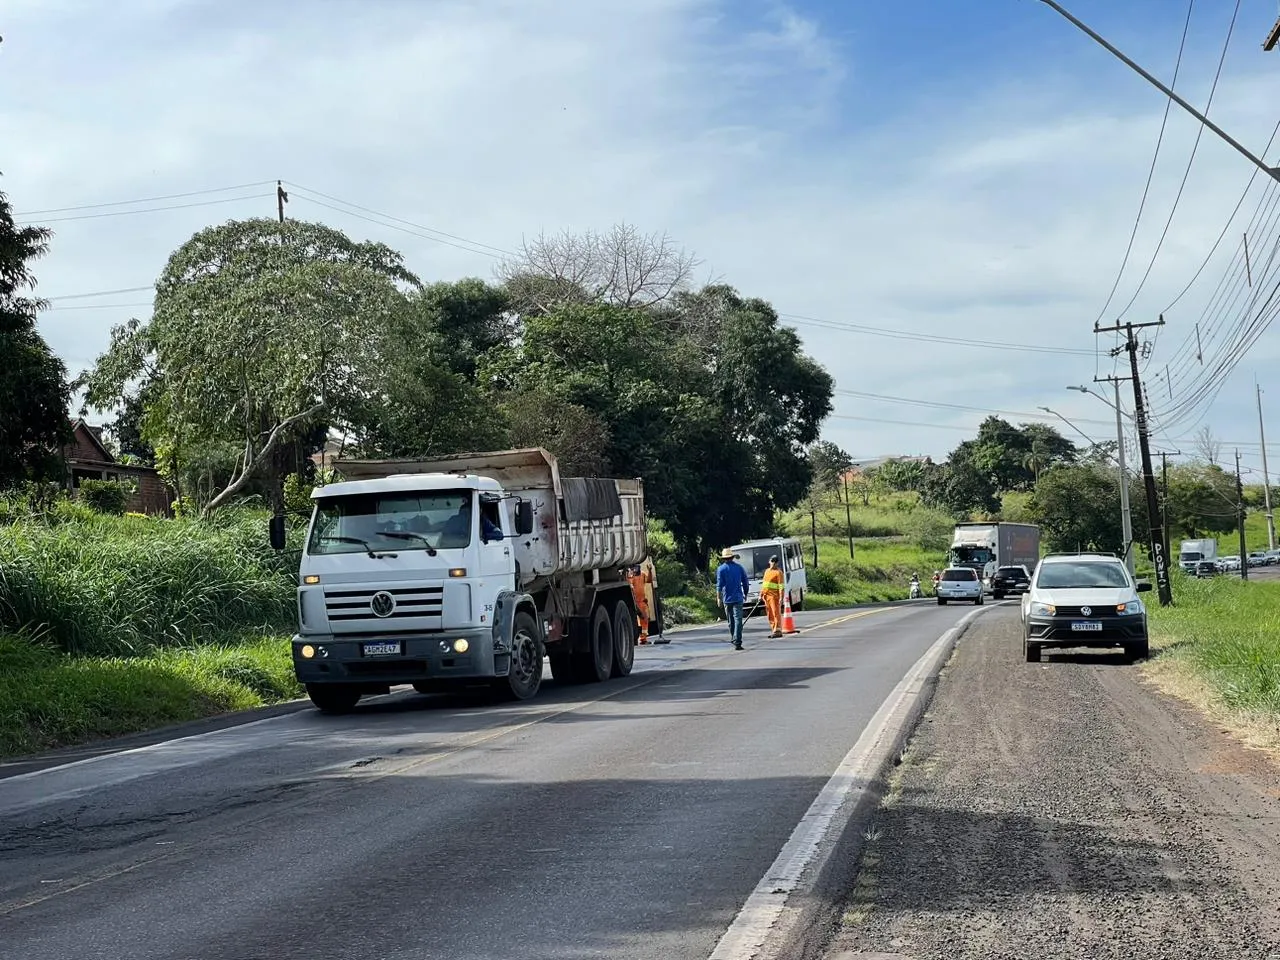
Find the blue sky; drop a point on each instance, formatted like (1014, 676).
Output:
(939, 169)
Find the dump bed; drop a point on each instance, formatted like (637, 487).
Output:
(580, 523)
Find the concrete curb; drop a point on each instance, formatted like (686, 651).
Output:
(794, 914)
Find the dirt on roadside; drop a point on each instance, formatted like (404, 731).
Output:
(1065, 810)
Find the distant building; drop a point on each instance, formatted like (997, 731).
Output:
(87, 458)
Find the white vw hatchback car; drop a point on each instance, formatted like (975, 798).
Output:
(1084, 600)
(960, 583)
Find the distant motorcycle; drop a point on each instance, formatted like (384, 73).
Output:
(915, 590)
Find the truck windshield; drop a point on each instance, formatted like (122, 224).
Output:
(1083, 576)
(755, 560)
(1188, 556)
(396, 522)
(967, 555)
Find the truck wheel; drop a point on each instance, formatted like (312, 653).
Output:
(624, 639)
(597, 662)
(333, 697)
(1032, 651)
(525, 674)
(1139, 650)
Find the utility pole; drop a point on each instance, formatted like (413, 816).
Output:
(1126, 517)
(1164, 496)
(1272, 172)
(1244, 548)
(1266, 475)
(1159, 555)
(1273, 38)
(281, 199)
(848, 515)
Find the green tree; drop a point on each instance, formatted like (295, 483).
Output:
(34, 394)
(1077, 507)
(261, 332)
(903, 476)
(1202, 501)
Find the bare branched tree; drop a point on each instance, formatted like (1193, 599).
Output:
(622, 267)
(1208, 446)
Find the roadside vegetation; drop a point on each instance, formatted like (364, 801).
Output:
(1218, 648)
(111, 624)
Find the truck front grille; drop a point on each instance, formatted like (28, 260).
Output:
(343, 605)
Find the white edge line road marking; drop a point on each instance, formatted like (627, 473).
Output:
(856, 772)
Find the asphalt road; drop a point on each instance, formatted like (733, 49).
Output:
(1067, 811)
(629, 819)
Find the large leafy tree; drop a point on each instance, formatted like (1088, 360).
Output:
(719, 435)
(1077, 506)
(261, 331)
(1202, 501)
(34, 394)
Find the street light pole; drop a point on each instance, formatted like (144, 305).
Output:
(1273, 172)
(1126, 517)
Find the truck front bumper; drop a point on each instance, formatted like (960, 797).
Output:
(419, 657)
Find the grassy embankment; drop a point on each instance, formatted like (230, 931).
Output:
(111, 625)
(1218, 648)
(893, 538)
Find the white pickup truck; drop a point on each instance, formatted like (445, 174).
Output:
(462, 570)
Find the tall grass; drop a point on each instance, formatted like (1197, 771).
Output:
(99, 585)
(1229, 632)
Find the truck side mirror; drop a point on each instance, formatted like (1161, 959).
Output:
(524, 518)
(276, 530)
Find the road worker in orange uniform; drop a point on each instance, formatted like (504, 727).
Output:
(639, 580)
(771, 593)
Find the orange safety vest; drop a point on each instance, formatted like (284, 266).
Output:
(773, 580)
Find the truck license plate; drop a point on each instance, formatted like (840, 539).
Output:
(385, 648)
(1087, 626)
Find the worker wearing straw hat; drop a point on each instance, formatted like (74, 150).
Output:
(732, 585)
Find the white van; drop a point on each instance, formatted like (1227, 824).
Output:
(754, 557)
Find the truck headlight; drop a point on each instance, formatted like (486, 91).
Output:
(1043, 610)
(461, 646)
(307, 651)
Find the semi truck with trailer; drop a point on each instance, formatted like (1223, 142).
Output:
(463, 570)
(988, 546)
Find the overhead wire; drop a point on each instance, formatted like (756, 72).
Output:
(128, 213)
(1146, 189)
(123, 203)
(1186, 174)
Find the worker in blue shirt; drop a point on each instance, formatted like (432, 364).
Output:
(732, 584)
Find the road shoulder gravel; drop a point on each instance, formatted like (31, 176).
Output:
(1066, 810)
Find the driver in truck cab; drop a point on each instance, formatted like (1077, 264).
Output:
(457, 528)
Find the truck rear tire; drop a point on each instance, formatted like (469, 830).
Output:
(524, 676)
(333, 698)
(597, 663)
(624, 639)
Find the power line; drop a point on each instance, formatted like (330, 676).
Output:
(125, 203)
(97, 293)
(125, 213)
(953, 406)
(1186, 174)
(1164, 122)
(409, 223)
(928, 338)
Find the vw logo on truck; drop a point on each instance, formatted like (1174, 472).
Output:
(383, 604)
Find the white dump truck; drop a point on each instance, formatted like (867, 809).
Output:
(463, 570)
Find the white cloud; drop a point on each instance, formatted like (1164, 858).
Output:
(998, 214)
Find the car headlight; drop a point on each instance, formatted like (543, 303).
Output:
(1132, 607)
(1043, 610)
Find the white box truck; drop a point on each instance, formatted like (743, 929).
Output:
(462, 570)
(988, 546)
(1192, 552)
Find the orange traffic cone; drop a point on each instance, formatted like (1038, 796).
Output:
(788, 620)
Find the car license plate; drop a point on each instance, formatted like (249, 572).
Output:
(385, 648)
(1087, 626)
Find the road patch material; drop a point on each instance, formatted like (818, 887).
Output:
(788, 914)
